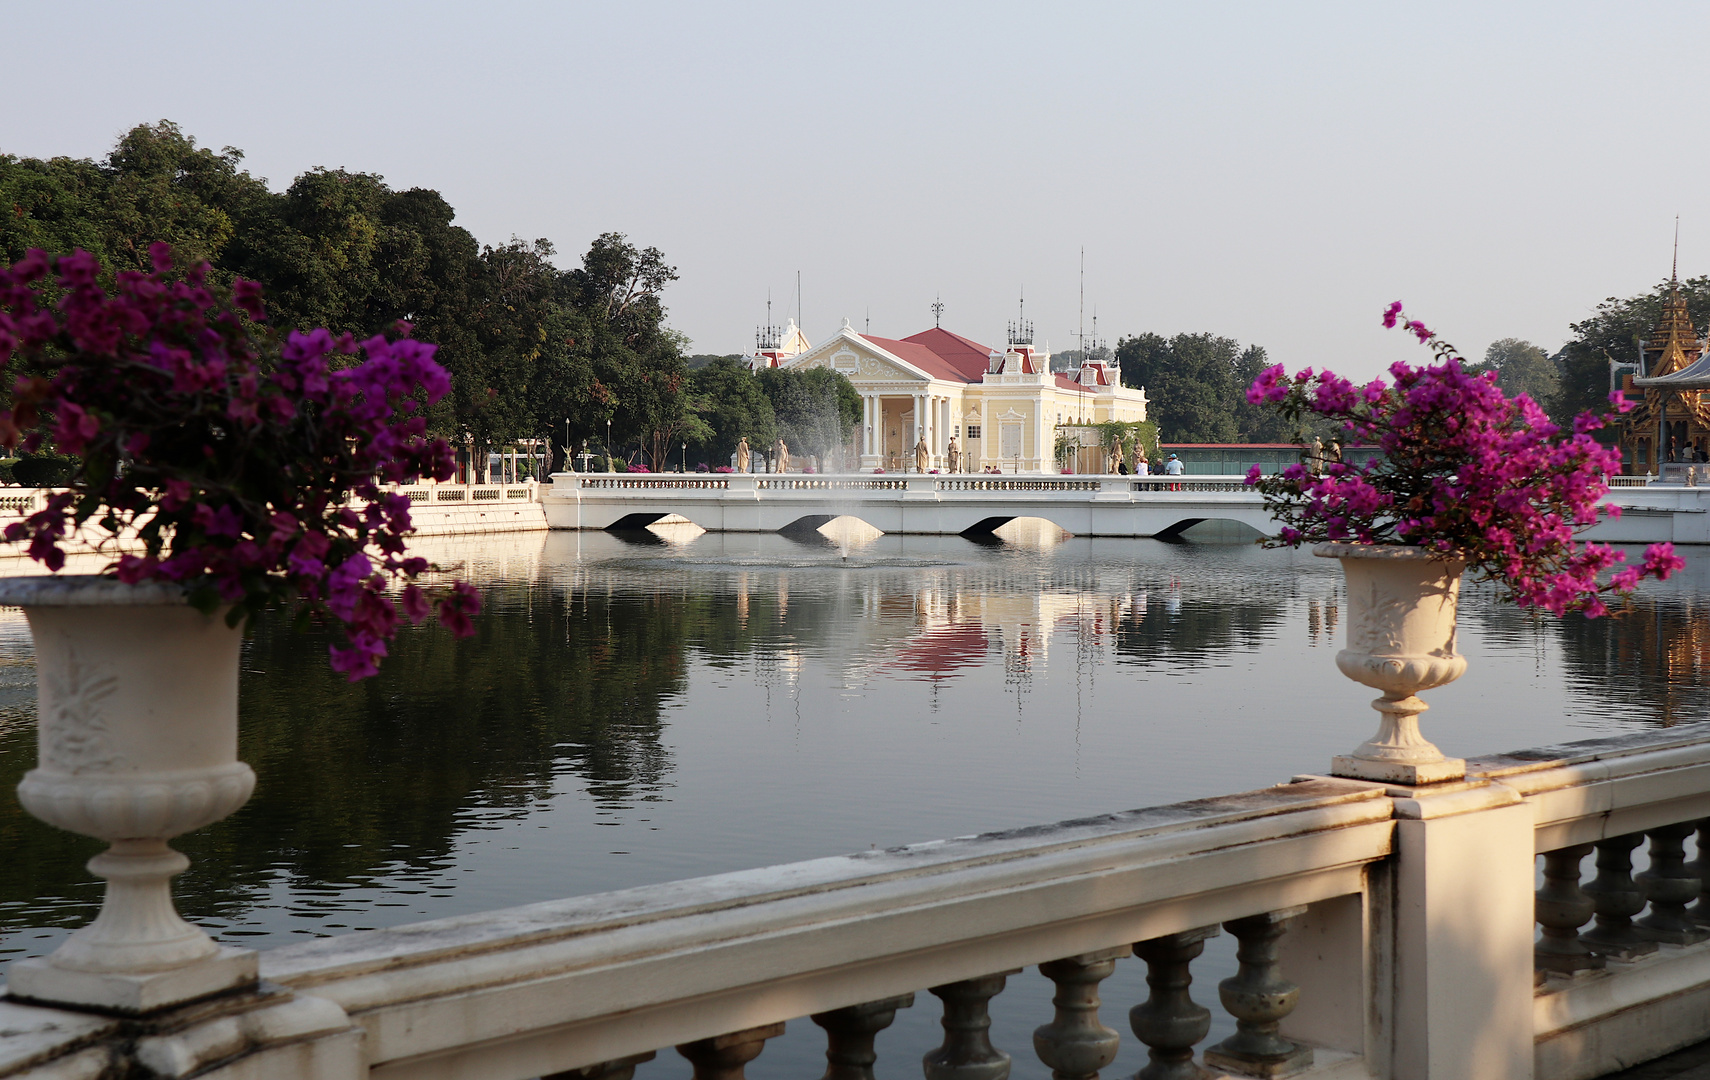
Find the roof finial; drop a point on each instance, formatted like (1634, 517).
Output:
(937, 310)
(1674, 271)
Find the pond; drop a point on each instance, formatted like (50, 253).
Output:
(667, 704)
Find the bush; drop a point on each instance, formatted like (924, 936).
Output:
(43, 470)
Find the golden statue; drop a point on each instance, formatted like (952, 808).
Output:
(742, 455)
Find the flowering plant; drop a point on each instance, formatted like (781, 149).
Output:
(245, 469)
(1465, 471)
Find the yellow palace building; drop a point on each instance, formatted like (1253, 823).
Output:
(1002, 407)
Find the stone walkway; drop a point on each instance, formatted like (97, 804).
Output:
(1692, 1063)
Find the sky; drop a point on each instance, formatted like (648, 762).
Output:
(1276, 173)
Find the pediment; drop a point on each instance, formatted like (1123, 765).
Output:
(849, 354)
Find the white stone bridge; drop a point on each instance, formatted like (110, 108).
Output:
(972, 505)
(903, 503)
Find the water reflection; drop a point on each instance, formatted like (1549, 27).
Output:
(644, 707)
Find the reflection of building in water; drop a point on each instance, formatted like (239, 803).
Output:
(1650, 663)
(1321, 621)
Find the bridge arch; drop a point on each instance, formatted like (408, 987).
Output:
(1211, 530)
(1024, 529)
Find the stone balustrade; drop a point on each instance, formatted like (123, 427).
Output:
(1381, 932)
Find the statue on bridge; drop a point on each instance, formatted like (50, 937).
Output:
(780, 456)
(951, 456)
(922, 456)
(742, 455)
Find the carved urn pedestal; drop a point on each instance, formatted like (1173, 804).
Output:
(1401, 640)
(137, 729)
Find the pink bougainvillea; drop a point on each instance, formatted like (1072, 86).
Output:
(1465, 469)
(248, 469)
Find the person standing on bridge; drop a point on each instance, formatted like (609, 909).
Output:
(1174, 467)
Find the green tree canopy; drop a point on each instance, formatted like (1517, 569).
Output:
(817, 409)
(1522, 368)
(527, 345)
(1613, 332)
(1197, 387)
(731, 405)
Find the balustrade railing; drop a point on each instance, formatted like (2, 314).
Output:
(1380, 932)
(431, 493)
(1620, 954)
(1187, 483)
(652, 481)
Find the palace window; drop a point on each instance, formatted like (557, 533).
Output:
(973, 431)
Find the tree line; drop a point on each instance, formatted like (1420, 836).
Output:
(567, 357)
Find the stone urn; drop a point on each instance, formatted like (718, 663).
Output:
(137, 736)
(1401, 640)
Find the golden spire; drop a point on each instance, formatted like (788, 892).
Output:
(1673, 340)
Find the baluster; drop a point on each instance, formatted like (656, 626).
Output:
(850, 1032)
(968, 1053)
(1074, 1043)
(1561, 908)
(1169, 1022)
(1617, 898)
(1700, 911)
(723, 1056)
(1670, 886)
(621, 1069)
(1258, 997)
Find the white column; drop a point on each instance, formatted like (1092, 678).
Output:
(867, 424)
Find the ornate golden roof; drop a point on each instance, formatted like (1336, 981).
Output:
(1673, 340)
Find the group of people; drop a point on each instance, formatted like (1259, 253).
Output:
(1691, 453)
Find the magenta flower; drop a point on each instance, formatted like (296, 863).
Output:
(1464, 470)
(249, 468)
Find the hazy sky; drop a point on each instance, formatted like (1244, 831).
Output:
(1273, 172)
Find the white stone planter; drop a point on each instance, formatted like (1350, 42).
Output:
(137, 727)
(1401, 640)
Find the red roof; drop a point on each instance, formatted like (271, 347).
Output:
(1064, 382)
(968, 357)
(940, 354)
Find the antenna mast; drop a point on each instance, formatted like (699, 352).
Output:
(767, 337)
(1021, 332)
(937, 310)
(1081, 328)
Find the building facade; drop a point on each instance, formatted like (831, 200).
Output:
(1002, 407)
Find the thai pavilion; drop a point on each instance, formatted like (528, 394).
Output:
(1003, 407)
(1669, 418)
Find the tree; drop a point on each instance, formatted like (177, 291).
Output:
(528, 346)
(1613, 332)
(728, 399)
(1197, 385)
(817, 409)
(1522, 368)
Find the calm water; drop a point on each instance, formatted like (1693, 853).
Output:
(641, 709)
